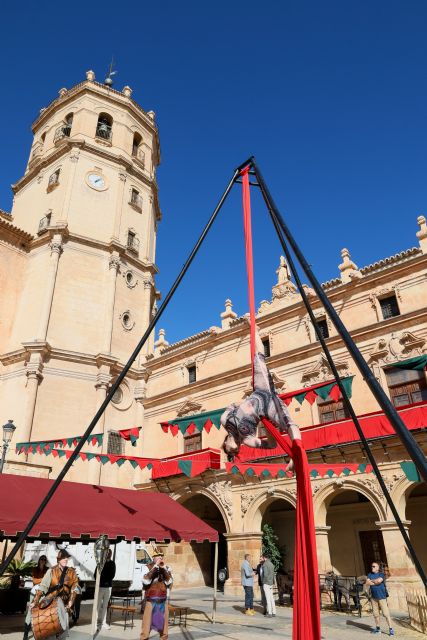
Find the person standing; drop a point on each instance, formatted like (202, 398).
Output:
(260, 571)
(156, 583)
(61, 581)
(37, 575)
(105, 586)
(376, 580)
(267, 585)
(247, 574)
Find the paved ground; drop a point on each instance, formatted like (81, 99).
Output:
(230, 623)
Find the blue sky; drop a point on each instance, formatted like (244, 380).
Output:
(329, 96)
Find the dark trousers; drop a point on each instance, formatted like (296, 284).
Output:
(249, 597)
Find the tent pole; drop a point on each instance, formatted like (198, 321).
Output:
(215, 583)
(121, 376)
(95, 605)
(347, 402)
(396, 421)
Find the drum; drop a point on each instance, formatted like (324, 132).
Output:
(49, 621)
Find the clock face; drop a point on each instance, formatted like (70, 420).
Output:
(96, 181)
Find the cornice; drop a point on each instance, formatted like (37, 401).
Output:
(20, 238)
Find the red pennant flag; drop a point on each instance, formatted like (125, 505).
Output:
(113, 459)
(142, 463)
(165, 426)
(191, 428)
(54, 453)
(68, 454)
(335, 393)
(311, 396)
(287, 401)
(208, 425)
(83, 455)
(174, 429)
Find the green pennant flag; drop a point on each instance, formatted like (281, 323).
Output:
(281, 473)
(347, 383)
(133, 463)
(314, 473)
(149, 466)
(323, 392)
(419, 363)
(346, 471)
(185, 466)
(182, 426)
(61, 453)
(265, 473)
(362, 467)
(70, 442)
(120, 461)
(300, 397)
(103, 459)
(91, 456)
(234, 469)
(250, 472)
(134, 440)
(410, 471)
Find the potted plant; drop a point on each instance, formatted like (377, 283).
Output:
(12, 597)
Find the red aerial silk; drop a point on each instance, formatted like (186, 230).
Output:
(306, 610)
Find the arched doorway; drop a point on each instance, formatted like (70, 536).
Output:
(416, 512)
(354, 539)
(203, 552)
(280, 515)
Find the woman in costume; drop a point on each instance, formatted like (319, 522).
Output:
(241, 420)
(156, 583)
(60, 582)
(37, 576)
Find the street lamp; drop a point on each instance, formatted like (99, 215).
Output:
(8, 430)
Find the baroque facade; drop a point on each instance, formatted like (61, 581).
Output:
(77, 278)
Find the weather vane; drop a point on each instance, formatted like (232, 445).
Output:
(109, 79)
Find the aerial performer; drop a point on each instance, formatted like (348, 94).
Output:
(241, 420)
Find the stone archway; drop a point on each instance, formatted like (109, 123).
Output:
(416, 514)
(355, 539)
(194, 562)
(280, 515)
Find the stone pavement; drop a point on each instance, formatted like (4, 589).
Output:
(230, 624)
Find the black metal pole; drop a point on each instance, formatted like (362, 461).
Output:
(348, 404)
(396, 421)
(120, 378)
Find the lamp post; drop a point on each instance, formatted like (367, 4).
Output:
(8, 430)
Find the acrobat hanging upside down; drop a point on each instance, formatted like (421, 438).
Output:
(241, 420)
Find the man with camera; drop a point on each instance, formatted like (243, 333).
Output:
(156, 583)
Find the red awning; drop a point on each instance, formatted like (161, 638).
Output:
(87, 511)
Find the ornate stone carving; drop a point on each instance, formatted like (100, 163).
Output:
(222, 491)
(147, 282)
(373, 486)
(320, 371)
(399, 346)
(283, 292)
(188, 407)
(74, 155)
(55, 246)
(246, 500)
(114, 262)
(122, 176)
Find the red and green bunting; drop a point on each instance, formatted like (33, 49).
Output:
(94, 439)
(197, 422)
(279, 470)
(322, 390)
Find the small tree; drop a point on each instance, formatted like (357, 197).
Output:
(270, 546)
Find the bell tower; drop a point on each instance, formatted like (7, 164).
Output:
(89, 200)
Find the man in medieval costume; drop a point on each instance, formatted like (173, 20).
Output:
(157, 583)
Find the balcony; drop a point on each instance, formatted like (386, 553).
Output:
(62, 132)
(133, 244)
(44, 224)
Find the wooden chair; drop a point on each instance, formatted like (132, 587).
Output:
(180, 613)
(125, 606)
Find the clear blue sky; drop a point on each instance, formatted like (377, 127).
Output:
(329, 96)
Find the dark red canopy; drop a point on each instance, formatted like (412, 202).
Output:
(84, 510)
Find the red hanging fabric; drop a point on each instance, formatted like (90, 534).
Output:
(306, 609)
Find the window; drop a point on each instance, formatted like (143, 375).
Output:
(132, 242)
(118, 396)
(135, 199)
(68, 124)
(44, 223)
(330, 411)
(389, 307)
(104, 126)
(406, 386)
(192, 443)
(115, 444)
(266, 345)
(323, 326)
(53, 180)
(137, 139)
(191, 373)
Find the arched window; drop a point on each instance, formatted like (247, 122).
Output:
(137, 139)
(68, 124)
(43, 137)
(104, 126)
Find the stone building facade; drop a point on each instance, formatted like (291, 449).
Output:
(77, 278)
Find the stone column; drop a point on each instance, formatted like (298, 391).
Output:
(147, 285)
(403, 575)
(103, 379)
(119, 206)
(34, 377)
(237, 545)
(140, 394)
(74, 158)
(50, 279)
(113, 264)
(322, 545)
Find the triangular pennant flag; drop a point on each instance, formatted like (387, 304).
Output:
(208, 425)
(134, 463)
(335, 393)
(68, 454)
(185, 465)
(90, 456)
(102, 458)
(323, 392)
(165, 426)
(310, 396)
(83, 455)
(174, 429)
(300, 396)
(347, 383)
(288, 401)
(191, 428)
(61, 453)
(121, 461)
(182, 427)
(54, 453)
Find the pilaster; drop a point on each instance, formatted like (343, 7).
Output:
(237, 545)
